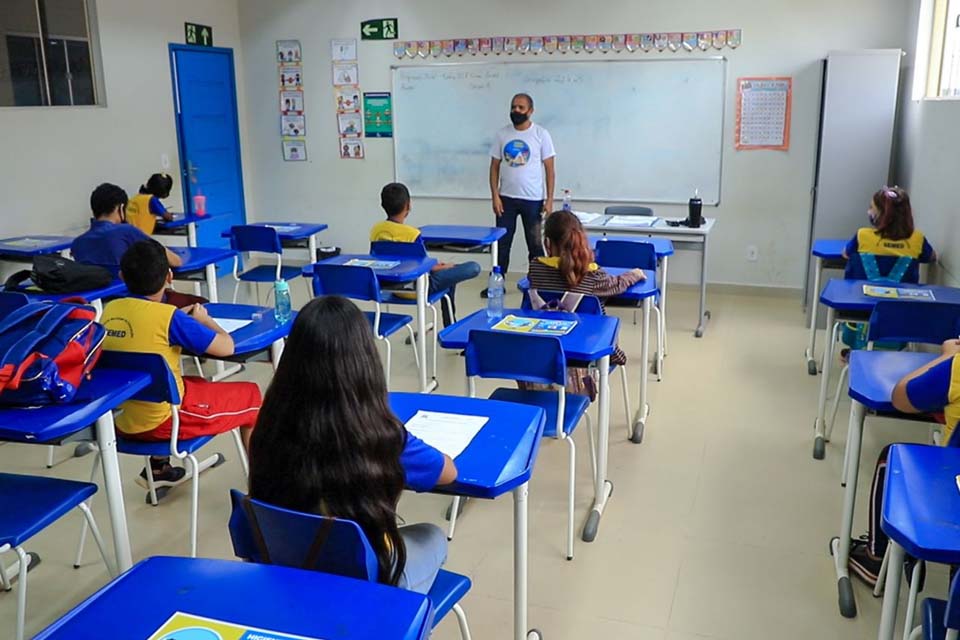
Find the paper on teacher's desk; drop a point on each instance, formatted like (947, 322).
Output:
(632, 221)
(447, 432)
(231, 324)
(588, 218)
(283, 228)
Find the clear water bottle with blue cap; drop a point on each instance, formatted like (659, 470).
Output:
(281, 301)
(567, 204)
(495, 293)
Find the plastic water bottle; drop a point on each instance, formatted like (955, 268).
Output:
(495, 294)
(281, 301)
(567, 205)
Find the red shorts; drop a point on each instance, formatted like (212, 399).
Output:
(209, 408)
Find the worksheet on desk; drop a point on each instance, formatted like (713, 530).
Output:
(631, 221)
(230, 324)
(447, 432)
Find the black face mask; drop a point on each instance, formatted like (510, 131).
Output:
(518, 118)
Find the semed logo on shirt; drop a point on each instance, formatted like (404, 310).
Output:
(516, 153)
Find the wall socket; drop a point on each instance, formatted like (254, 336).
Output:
(164, 161)
(753, 254)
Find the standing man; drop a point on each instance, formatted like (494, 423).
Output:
(525, 151)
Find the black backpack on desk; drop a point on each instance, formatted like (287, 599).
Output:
(56, 274)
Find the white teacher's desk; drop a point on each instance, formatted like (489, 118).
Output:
(693, 239)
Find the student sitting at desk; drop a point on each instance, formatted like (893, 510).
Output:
(569, 266)
(143, 323)
(143, 208)
(890, 251)
(395, 200)
(934, 388)
(327, 442)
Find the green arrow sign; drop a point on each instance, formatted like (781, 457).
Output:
(379, 29)
(199, 34)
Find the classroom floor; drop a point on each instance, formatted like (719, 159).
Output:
(717, 529)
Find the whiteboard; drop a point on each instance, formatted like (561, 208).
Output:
(625, 131)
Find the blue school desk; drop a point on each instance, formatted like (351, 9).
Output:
(60, 423)
(201, 261)
(921, 515)
(94, 297)
(407, 270)
(828, 254)
(591, 341)
(683, 237)
(873, 375)
(467, 237)
(24, 248)
(182, 224)
(262, 597)
(845, 301)
(498, 460)
(644, 293)
(264, 335)
(294, 235)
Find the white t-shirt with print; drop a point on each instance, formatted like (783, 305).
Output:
(521, 155)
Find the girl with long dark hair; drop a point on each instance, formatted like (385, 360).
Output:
(145, 207)
(328, 443)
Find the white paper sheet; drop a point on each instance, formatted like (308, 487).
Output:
(588, 218)
(631, 221)
(231, 324)
(283, 228)
(448, 432)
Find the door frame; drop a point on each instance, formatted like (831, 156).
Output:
(186, 188)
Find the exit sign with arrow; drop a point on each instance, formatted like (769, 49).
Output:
(379, 29)
(199, 34)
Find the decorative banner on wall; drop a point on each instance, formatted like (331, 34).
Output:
(588, 43)
(763, 113)
(293, 122)
(378, 115)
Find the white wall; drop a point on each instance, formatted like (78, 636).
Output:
(927, 165)
(51, 158)
(766, 195)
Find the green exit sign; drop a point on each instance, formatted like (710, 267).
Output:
(199, 34)
(379, 29)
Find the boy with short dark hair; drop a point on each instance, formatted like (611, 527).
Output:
(143, 323)
(108, 237)
(395, 200)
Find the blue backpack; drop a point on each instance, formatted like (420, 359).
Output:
(48, 349)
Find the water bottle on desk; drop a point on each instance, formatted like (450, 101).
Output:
(695, 210)
(281, 301)
(495, 293)
(567, 204)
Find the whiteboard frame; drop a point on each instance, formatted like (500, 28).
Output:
(723, 116)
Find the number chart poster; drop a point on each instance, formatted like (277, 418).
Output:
(182, 626)
(763, 113)
(378, 115)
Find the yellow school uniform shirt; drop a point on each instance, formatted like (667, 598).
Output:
(142, 326)
(869, 241)
(138, 213)
(393, 232)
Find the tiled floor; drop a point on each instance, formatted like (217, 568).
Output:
(717, 529)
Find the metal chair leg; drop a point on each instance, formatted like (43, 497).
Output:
(241, 452)
(95, 532)
(836, 401)
(462, 622)
(194, 471)
(571, 494)
(454, 509)
(626, 395)
(22, 591)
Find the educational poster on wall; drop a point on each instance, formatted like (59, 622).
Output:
(351, 149)
(345, 73)
(288, 51)
(291, 76)
(182, 626)
(343, 49)
(350, 124)
(378, 115)
(293, 126)
(763, 113)
(294, 150)
(291, 102)
(348, 99)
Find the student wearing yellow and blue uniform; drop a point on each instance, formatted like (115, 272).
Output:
(395, 200)
(145, 207)
(327, 443)
(143, 323)
(932, 389)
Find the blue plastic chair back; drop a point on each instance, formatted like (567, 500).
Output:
(626, 254)
(267, 534)
(952, 618)
(516, 356)
(910, 321)
(248, 237)
(589, 305)
(358, 283)
(627, 210)
(10, 300)
(162, 387)
(415, 249)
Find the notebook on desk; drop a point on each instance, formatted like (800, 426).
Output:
(632, 221)
(897, 293)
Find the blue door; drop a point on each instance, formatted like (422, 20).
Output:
(205, 104)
